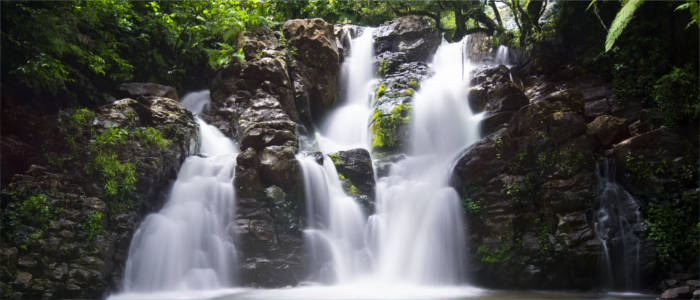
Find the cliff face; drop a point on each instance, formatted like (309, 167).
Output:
(67, 225)
(561, 161)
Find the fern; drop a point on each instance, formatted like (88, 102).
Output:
(693, 9)
(622, 18)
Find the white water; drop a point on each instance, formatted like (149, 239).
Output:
(347, 127)
(616, 217)
(416, 235)
(502, 55)
(188, 244)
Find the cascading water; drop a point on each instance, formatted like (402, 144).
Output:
(188, 244)
(617, 219)
(335, 221)
(347, 126)
(416, 235)
(502, 55)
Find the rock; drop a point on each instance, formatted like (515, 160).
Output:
(257, 41)
(58, 255)
(682, 292)
(355, 170)
(608, 129)
(477, 97)
(648, 144)
(492, 122)
(314, 40)
(693, 284)
(147, 90)
(23, 278)
(506, 98)
(315, 73)
(416, 38)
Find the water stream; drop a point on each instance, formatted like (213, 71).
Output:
(188, 244)
(416, 234)
(617, 220)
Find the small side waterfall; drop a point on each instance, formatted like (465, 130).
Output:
(617, 218)
(502, 55)
(335, 222)
(188, 244)
(348, 126)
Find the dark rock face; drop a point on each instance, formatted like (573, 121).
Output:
(355, 170)
(530, 189)
(263, 102)
(316, 65)
(405, 39)
(608, 129)
(493, 91)
(146, 90)
(65, 235)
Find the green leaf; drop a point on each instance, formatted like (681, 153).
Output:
(621, 20)
(590, 4)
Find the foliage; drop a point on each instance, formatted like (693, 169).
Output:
(387, 129)
(693, 8)
(37, 210)
(57, 47)
(472, 207)
(499, 255)
(674, 228)
(676, 94)
(622, 18)
(93, 225)
(107, 159)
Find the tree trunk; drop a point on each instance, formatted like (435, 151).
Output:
(492, 3)
(461, 25)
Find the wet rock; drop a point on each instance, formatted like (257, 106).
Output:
(357, 176)
(492, 122)
(147, 90)
(608, 129)
(477, 99)
(682, 292)
(415, 38)
(58, 253)
(315, 73)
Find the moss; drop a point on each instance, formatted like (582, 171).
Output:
(336, 159)
(388, 129)
(471, 206)
(413, 83)
(348, 187)
(380, 90)
(383, 67)
(499, 255)
(407, 92)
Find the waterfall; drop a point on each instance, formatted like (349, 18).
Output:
(502, 55)
(348, 126)
(188, 244)
(617, 218)
(416, 235)
(334, 234)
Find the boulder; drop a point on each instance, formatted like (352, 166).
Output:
(493, 121)
(147, 90)
(477, 98)
(355, 170)
(415, 38)
(608, 129)
(315, 67)
(682, 292)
